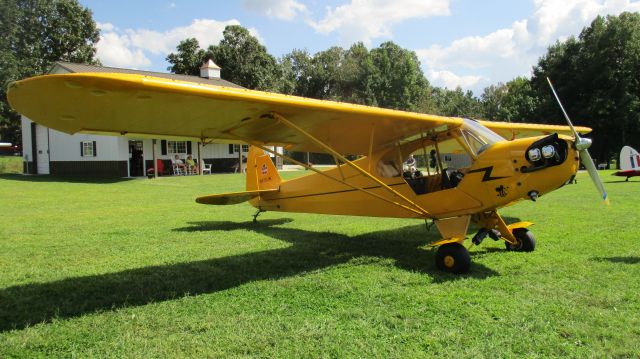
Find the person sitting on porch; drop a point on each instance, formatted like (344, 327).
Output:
(191, 164)
(178, 166)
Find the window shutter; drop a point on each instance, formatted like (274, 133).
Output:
(188, 147)
(163, 147)
(231, 148)
(81, 149)
(95, 149)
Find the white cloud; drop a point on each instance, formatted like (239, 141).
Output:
(451, 80)
(278, 9)
(132, 47)
(365, 20)
(106, 26)
(206, 31)
(506, 53)
(115, 50)
(476, 52)
(555, 19)
(172, 5)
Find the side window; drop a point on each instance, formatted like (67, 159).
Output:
(436, 165)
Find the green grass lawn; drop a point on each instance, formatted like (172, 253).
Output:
(135, 268)
(10, 164)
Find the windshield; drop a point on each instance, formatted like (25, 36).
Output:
(478, 137)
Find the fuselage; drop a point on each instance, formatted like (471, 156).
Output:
(498, 176)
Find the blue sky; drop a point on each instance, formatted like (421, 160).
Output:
(466, 43)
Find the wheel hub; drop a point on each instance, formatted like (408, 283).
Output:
(449, 261)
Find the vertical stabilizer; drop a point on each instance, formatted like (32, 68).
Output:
(262, 174)
(629, 159)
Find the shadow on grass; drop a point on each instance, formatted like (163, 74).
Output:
(625, 260)
(49, 178)
(622, 181)
(24, 305)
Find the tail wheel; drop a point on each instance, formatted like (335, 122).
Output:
(525, 241)
(454, 258)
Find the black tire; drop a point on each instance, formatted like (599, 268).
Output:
(526, 241)
(453, 258)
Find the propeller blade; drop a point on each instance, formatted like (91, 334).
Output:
(576, 135)
(587, 162)
(581, 145)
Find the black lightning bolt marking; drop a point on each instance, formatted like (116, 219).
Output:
(487, 174)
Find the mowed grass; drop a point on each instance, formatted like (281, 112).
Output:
(135, 268)
(10, 164)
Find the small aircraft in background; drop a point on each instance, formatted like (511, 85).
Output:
(629, 163)
(466, 169)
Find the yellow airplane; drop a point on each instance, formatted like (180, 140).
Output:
(459, 170)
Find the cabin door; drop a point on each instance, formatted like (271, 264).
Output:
(136, 159)
(42, 149)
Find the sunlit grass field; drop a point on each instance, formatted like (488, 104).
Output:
(135, 268)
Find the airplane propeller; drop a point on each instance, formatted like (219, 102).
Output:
(582, 144)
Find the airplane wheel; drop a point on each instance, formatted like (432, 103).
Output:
(454, 258)
(526, 241)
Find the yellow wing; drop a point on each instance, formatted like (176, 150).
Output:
(126, 104)
(144, 106)
(512, 130)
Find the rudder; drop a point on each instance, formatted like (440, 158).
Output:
(629, 159)
(262, 174)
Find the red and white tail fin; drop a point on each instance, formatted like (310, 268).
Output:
(262, 174)
(629, 159)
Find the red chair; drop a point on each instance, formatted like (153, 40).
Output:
(159, 166)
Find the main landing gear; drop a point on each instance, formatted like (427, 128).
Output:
(453, 257)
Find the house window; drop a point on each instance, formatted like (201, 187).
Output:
(245, 148)
(177, 147)
(88, 149)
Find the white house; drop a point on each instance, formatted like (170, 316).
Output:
(47, 151)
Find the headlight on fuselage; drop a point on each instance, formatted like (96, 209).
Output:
(548, 151)
(534, 155)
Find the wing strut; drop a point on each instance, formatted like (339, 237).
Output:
(254, 143)
(336, 154)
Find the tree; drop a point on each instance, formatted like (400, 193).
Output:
(244, 61)
(596, 78)
(35, 34)
(188, 59)
(395, 78)
(456, 103)
(514, 101)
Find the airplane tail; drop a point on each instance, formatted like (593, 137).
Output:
(629, 159)
(262, 178)
(262, 174)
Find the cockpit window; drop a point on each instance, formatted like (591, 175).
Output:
(478, 137)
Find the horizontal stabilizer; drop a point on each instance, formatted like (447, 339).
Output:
(232, 198)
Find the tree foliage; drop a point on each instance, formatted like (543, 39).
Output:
(35, 34)
(596, 76)
(188, 59)
(244, 61)
(514, 101)
(456, 103)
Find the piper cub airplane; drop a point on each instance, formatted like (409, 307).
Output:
(467, 170)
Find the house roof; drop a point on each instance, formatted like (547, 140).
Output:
(75, 68)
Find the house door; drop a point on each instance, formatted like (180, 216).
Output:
(42, 149)
(136, 159)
